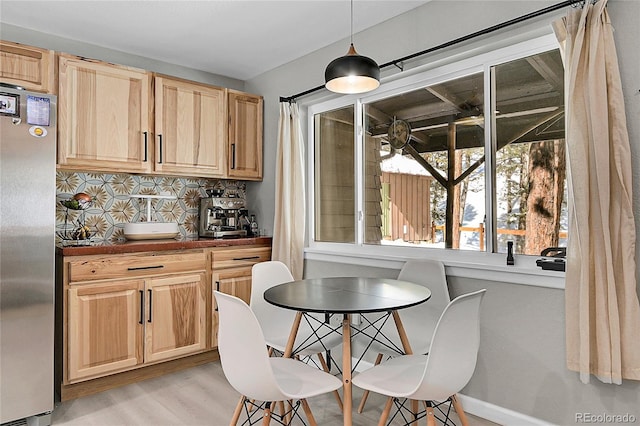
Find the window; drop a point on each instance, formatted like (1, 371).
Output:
(466, 158)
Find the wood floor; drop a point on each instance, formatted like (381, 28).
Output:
(196, 396)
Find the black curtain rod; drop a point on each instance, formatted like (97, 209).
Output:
(488, 30)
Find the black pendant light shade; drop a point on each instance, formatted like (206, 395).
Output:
(352, 73)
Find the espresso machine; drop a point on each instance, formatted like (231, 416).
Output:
(220, 217)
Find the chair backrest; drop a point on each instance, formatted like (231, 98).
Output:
(265, 275)
(420, 321)
(454, 349)
(429, 273)
(243, 351)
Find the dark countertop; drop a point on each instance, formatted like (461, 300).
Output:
(109, 247)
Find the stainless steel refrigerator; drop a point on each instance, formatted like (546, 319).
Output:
(27, 255)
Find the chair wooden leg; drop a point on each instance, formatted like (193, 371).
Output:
(385, 413)
(431, 417)
(266, 416)
(414, 411)
(365, 395)
(287, 416)
(325, 367)
(237, 412)
(281, 409)
(307, 411)
(458, 407)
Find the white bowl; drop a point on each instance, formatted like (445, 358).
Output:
(150, 230)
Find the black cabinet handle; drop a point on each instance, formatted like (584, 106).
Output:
(145, 146)
(139, 268)
(141, 307)
(246, 258)
(160, 148)
(233, 155)
(150, 304)
(217, 289)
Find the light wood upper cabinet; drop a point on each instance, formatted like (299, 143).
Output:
(190, 128)
(104, 328)
(176, 317)
(110, 119)
(245, 136)
(104, 116)
(26, 66)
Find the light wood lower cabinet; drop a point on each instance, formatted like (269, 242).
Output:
(232, 275)
(114, 326)
(128, 311)
(176, 317)
(236, 282)
(104, 328)
(126, 317)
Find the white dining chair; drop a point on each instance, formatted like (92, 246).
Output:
(418, 321)
(314, 337)
(257, 376)
(434, 378)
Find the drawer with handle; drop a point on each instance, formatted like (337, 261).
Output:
(234, 258)
(128, 265)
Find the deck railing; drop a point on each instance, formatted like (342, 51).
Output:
(480, 229)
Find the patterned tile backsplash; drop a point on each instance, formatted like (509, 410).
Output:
(112, 205)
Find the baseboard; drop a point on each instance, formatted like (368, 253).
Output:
(486, 410)
(497, 414)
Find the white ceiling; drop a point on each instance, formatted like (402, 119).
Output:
(234, 38)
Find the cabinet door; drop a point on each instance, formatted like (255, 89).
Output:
(236, 282)
(176, 317)
(190, 128)
(26, 66)
(245, 136)
(104, 328)
(104, 116)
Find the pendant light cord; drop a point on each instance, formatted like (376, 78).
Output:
(351, 38)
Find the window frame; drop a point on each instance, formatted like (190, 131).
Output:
(464, 263)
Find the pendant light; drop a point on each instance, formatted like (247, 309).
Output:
(352, 73)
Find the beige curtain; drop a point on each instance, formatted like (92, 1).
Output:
(602, 311)
(289, 221)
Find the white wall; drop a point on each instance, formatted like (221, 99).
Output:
(521, 364)
(74, 47)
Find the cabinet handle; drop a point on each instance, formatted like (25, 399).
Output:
(138, 268)
(150, 304)
(233, 155)
(145, 146)
(217, 289)
(246, 258)
(160, 148)
(141, 307)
